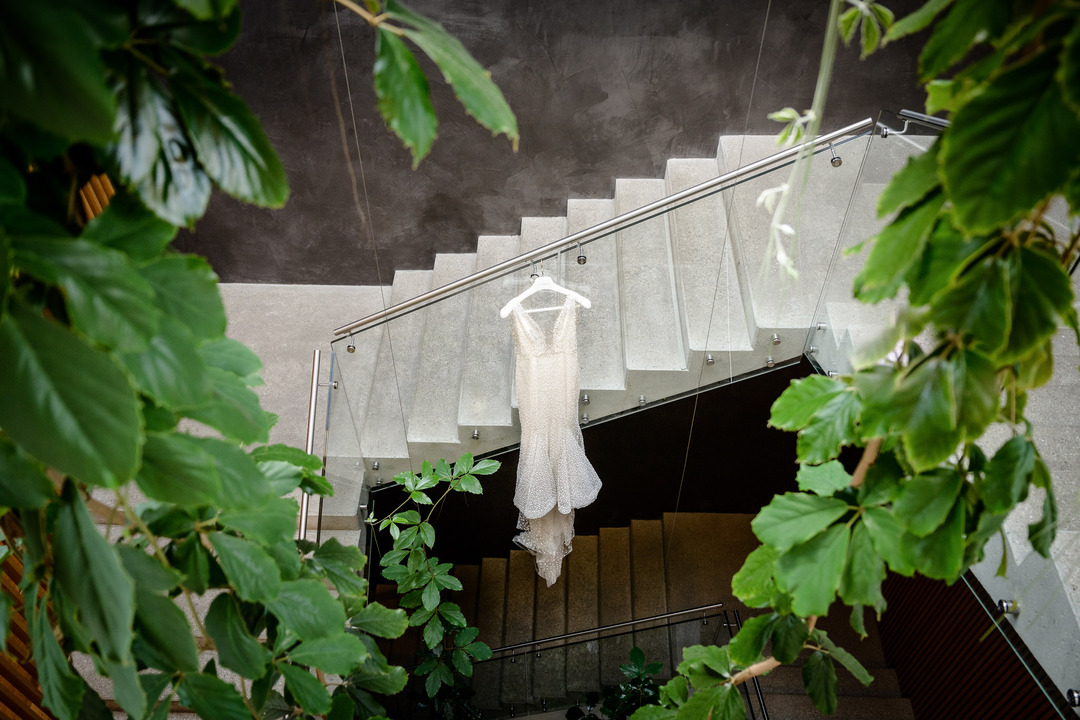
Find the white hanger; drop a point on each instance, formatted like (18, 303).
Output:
(543, 282)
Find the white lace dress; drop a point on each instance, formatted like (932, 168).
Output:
(554, 477)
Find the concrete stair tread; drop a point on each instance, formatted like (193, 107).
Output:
(395, 373)
(434, 414)
(797, 707)
(787, 679)
(652, 329)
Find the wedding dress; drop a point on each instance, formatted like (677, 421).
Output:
(554, 476)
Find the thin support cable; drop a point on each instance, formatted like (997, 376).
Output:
(365, 216)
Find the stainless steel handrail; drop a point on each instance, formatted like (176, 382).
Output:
(605, 628)
(597, 231)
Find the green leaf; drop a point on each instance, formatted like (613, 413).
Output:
(214, 35)
(402, 96)
(979, 393)
(341, 564)
(91, 577)
(968, 22)
(947, 252)
(127, 226)
(270, 524)
(433, 632)
(286, 453)
(830, 429)
(23, 483)
(896, 248)
(823, 479)
(186, 288)
(789, 636)
(485, 467)
(337, 654)
(811, 572)
(471, 83)
(871, 35)
(925, 501)
(996, 162)
(819, 677)
(882, 481)
(192, 559)
(849, 23)
(1008, 474)
(153, 685)
(308, 609)
(105, 296)
(233, 409)
(940, 554)
(462, 663)
(470, 484)
(1042, 298)
(675, 692)
(655, 712)
(237, 648)
(794, 518)
(235, 357)
(746, 647)
(979, 303)
(917, 20)
(451, 612)
(797, 406)
(210, 697)
(842, 656)
(309, 693)
(887, 535)
(65, 403)
(927, 397)
(753, 583)
(722, 702)
(170, 370)
(478, 650)
(705, 665)
(62, 689)
(864, 571)
(1041, 534)
(51, 74)
(229, 141)
(177, 469)
(343, 708)
(162, 626)
(251, 571)
(208, 9)
(243, 485)
(147, 570)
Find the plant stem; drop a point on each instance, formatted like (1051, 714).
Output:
(375, 21)
(769, 663)
(869, 455)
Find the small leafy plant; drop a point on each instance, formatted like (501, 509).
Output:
(637, 690)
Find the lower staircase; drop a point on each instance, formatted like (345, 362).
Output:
(680, 562)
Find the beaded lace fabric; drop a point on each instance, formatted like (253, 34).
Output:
(554, 477)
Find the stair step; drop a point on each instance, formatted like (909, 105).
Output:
(582, 613)
(488, 373)
(649, 592)
(652, 333)
(490, 621)
(787, 679)
(467, 597)
(520, 605)
(433, 419)
(799, 707)
(690, 582)
(712, 303)
(616, 604)
(549, 664)
(600, 348)
(394, 381)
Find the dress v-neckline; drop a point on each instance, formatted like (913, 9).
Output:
(534, 327)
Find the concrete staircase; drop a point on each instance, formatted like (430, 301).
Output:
(647, 569)
(680, 301)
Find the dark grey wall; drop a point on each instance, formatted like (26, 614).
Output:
(601, 90)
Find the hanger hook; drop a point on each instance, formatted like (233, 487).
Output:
(533, 274)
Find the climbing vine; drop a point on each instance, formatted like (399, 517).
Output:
(985, 277)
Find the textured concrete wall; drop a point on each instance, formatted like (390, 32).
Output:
(601, 90)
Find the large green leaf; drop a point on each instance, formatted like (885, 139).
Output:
(832, 427)
(91, 577)
(251, 571)
(1042, 532)
(979, 303)
(864, 571)
(270, 524)
(176, 469)
(342, 564)
(811, 572)
(229, 141)
(745, 648)
(819, 677)
(243, 485)
(210, 697)
(753, 583)
(842, 656)
(62, 689)
(979, 392)
(233, 408)
(308, 692)
(722, 702)
(996, 161)
(127, 226)
(926, 398)
(966, 23)
(917, 20)
(337, 654)
(186, 288)
(308, 609)
(208, 9)
(789, 636)
(794, 518)
(136, 126)
(161, 624)
(51, 74)
(797, 405)
(208, 27)
(170, 370)
(947, 252)
(887, 535)
(66, 403)
(1042, 298)
(402, 96)
(237, 358)
(911, 183)
(23, 483)
(1008, 474)
(896, 249)
(237, 648)
(105, 296)
(471, 82)
(147, 570)
(823, 479)
(925, 500)
(940, 554)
